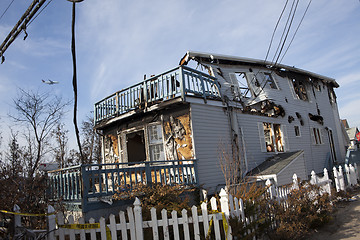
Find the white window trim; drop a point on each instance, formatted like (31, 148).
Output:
(273, 78)
(319, 136)
(148, 141)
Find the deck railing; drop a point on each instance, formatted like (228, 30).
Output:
(91, 182)
(178, 82)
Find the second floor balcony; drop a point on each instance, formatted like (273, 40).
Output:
(181, 82)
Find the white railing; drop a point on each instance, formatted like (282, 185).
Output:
(181, 81)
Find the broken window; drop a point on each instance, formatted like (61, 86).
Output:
(135, 145)
(316, 136)
(269, 81)
(272, 137)
(297, 131)
(332, 95)
(156, 149)
(299, 89)
(240, 84)
(245, 84)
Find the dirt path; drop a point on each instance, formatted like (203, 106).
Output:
(345, 223)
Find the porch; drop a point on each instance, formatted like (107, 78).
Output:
(87, 185)
(181, 81)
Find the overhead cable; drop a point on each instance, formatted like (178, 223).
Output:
(292, 39)
(6, 9)
(21, 25)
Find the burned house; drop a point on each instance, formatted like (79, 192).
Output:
(175, 126)
(259, 109)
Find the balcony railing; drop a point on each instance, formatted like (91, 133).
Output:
(181, 81)
(89, 183)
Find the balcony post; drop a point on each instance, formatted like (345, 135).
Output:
(148, 174)
(196, 171)
(202, 86)
(182, 84)
(84, 187)
(145, 93)
(117, 112)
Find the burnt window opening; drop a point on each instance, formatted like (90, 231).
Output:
(332, 96)
(297, 131)
(156, 148)
(269, 81)
(274, 137)
(300, 89)
(135, 145)
(240, 84)
(316, 84)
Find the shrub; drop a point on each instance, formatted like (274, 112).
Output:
(171, 197)
(304, 209)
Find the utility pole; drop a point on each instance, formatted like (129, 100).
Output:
(75, 78)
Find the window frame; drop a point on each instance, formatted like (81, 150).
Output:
(317, 136)
(271, 81)
(161, 141)
(298, 132)
(272, 127)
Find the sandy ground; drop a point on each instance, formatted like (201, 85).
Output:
(345, 223)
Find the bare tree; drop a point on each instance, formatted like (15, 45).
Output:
(91, 141)
(60, 148)
(39, 113)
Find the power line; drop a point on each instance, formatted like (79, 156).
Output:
(272, 37)
(39, 12)
(20, 26)
(287, 33)
(6, 9)
(292, 39)
(286, 27)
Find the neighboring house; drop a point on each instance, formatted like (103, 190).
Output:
(353, 135)
(175, 126)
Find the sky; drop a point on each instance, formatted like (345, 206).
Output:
(119, 41)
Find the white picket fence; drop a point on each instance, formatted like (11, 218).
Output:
(190, 225)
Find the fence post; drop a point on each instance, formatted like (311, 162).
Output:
(341, 179)
(336, 178)
(138, 220)
(224, 204)
(271, 189)
(51, 223)
(17, 219)
(295, 184)
(347, 172)
(313, 179)
(352, 175)
(327, 184)
(356, 171)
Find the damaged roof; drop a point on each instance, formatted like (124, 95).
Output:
(210, 57)
(275, 164)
